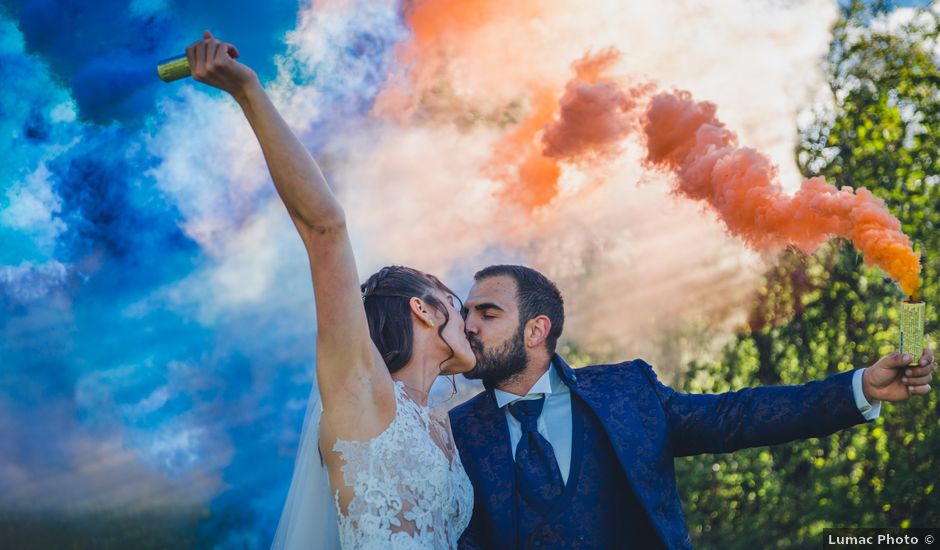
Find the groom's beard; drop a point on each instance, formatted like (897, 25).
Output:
(496, 365)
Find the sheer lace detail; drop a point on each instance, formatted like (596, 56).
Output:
(409, 490)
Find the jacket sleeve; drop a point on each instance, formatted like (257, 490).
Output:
(757, 416)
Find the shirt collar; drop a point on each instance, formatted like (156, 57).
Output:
(547, 384)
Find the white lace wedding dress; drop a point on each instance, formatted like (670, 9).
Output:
(410, 490)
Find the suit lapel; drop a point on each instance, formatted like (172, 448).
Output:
(494, 468)
(635, 442)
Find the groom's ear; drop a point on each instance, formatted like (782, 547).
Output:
(536, 331)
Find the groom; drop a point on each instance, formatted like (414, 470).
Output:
(564, 459)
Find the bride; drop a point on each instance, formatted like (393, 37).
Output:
(375, 469)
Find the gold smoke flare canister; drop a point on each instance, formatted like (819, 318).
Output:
(912, 329)
(173, 68)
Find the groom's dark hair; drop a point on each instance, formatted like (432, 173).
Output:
(536, 294)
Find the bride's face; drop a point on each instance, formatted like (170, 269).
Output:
(464, 359)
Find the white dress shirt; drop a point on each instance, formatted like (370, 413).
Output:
(555, 423)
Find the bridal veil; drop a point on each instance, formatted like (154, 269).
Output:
(308, 520)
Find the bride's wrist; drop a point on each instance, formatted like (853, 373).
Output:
(248, 91)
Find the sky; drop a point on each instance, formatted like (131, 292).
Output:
(156, 316)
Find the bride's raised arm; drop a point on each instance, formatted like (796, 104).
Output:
(350, 371)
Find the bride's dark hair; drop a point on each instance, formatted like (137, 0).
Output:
(385, 296)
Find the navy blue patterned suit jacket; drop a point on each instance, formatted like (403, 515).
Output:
(649, 424)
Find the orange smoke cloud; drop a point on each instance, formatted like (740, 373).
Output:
(686, 138)
(585, 127)
(433, 20)
(595, 114)
(740, 184)
(441, 31)
(530, 178)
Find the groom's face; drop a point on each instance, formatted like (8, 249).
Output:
(491, 314)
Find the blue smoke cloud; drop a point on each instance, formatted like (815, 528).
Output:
(118, 391)
(105, 52)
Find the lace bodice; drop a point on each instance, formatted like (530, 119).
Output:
(409, 488)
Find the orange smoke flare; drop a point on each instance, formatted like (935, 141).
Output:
(685, 137)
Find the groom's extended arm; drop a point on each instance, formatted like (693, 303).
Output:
(768, 415)
(752, 417)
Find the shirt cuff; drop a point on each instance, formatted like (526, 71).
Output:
(870, 411)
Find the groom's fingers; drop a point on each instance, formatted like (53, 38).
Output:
(918, 376)
(917, 381)
(894, 360)
(919, 390)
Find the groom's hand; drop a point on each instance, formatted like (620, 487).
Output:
(893, 378)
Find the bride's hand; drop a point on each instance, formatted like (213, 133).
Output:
(212, 62)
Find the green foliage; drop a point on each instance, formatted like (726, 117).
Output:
(171, 527)
(815, 316)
